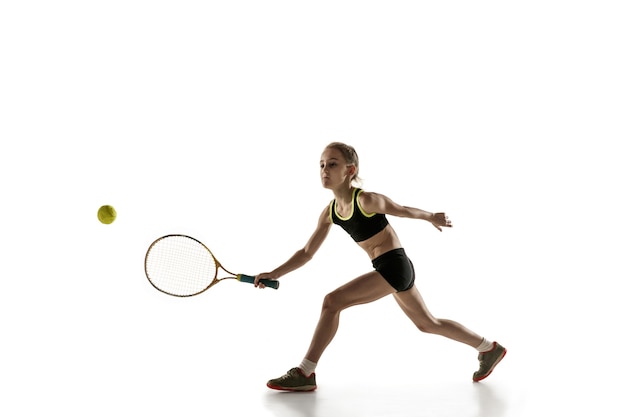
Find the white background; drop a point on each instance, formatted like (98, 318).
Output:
(208, 118)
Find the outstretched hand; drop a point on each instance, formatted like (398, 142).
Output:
(440, 220)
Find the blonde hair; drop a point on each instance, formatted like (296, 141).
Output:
(351, 157)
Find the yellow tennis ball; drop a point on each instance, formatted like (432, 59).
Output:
(107, 214)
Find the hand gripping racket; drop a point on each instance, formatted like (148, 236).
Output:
(182, 266)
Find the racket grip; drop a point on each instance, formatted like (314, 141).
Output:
(250, 280)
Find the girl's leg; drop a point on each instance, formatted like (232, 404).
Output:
(412, 303)
(364, 289)
(414, 307)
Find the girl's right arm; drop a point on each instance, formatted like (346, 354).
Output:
(303, 255)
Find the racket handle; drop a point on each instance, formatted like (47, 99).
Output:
(250, 280)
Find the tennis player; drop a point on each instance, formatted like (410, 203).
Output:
(363, 215)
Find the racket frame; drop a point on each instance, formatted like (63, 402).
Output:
(218, 265)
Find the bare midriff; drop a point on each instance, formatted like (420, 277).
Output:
(381, 242)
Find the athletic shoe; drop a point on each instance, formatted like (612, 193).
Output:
(488, 360)
(294, 380)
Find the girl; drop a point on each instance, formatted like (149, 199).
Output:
(362, 215)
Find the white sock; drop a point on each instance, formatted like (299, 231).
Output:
(307, 367)
(484, 346)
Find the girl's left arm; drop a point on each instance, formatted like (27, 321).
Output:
(379, 203)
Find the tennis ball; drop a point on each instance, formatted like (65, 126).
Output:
(107, 214)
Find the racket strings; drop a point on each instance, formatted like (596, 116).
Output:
(180, 265)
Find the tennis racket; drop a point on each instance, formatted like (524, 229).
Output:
(182, 266)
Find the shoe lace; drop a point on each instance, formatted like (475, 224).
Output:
(290, 374)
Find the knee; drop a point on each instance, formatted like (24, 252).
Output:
(332, 302)
(428, 326)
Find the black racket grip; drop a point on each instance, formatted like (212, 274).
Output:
(250, 280)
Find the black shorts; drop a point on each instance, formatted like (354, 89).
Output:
(396, 268)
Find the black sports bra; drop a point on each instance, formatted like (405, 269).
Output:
(360, 225)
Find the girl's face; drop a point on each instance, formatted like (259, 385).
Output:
(334, 171)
